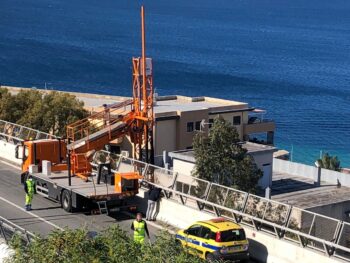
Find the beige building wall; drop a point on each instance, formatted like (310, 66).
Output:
(185, 138)
(165, 136)
(229, 118)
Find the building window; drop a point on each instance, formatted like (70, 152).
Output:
(198, 125)
(236, 120)
(211, 122)
(189, 126)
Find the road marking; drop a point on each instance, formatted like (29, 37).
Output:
(32, 214)
(9, 164)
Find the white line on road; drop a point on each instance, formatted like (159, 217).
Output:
(9, 164)
(32, 214)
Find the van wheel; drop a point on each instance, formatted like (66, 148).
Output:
(66, 201)
(210, 257)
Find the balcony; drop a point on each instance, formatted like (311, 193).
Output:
(258, 124)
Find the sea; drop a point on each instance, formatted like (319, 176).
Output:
(291, 58)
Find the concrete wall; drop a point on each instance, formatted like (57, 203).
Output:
(263, 247)
(297, 169)
(264, 162)
(7, 151)
(182, 167)
(310, 172)
(337, 210)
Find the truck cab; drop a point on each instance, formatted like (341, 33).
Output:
(34, 152)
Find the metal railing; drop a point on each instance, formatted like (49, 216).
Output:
(99, 121)
(309, 230)
(15, 133)
(9, 229)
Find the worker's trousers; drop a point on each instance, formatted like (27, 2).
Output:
(29, 198)
(139, 239)
(150, 210)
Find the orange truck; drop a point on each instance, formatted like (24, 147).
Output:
(112, 195)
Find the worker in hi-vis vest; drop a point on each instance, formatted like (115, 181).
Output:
(29, 188)
(140, 229)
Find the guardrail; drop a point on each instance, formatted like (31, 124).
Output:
(9, 229)
(16, 133)
(308, 229)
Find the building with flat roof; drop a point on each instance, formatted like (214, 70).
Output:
(183, 161)
(177, 118)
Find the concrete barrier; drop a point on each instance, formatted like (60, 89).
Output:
(7, 152)
(263, 246)
(308, 171)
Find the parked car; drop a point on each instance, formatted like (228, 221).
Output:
(215, 239)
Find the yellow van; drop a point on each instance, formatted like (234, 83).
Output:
(215, 239)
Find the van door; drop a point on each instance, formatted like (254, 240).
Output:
(192, 239)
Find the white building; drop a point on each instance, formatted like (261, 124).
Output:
(183, 161)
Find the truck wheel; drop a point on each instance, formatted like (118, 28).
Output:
(66, 201)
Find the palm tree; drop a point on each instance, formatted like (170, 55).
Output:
(329, 162)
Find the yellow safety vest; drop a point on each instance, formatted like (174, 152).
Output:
(30, 186)
(139, 229)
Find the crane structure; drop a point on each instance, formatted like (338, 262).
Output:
(132, 117)
(142, 134)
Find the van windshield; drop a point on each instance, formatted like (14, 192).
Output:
(233, 235)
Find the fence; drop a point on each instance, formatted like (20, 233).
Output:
(9, 229)
(14, 133)
(310, 172)
(308, 229)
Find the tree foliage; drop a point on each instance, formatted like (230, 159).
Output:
(113, 245)
(48, 112)
(220, 158)
(329, 162)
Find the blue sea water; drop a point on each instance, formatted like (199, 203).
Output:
(289, 57)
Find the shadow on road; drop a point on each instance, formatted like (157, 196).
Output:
(46, 208)
(256, 248)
